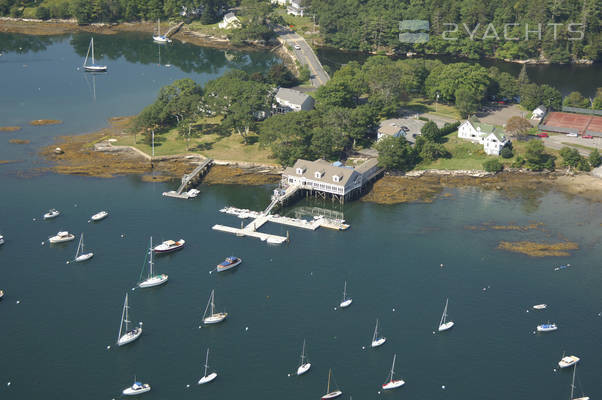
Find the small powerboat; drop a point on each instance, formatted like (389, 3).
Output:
(228, 263)
(546, 327)
(568, 361)
(52, 213)
(136, 388)
(1, 294)
(100, 215)
(540, 306)
(169, 246)
(1, 239)
(61, 237)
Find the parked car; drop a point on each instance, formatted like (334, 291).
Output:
(587, 136)
(543, 134)
(572, 135)
(297, 47)
(405, 129)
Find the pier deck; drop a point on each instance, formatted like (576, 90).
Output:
(187, 179)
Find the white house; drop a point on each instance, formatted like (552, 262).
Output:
(539, 112)
(296, 8)
(230, 21)
(292, 100)
(491, 137)
(388, 128)
(279, 2)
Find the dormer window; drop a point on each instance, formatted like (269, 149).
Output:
(319, 174)
(300, 171)
(336, 178)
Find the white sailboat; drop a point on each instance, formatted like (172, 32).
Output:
(152, 280)
(212, 317)
(93, 67)
(207, 378)
(127, 336)
(444, 324)
(346, 302)
(158, 37)
(79, 254)
(393, 383)
(304, 366)
(377, 341)
(335, 393)
(573, 387)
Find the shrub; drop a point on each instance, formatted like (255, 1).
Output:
(583, 165)
(42, 13)
(594, 158)
(493, 165)
(507, 152)
(449, 128)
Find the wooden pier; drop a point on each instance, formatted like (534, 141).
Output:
(189, 180)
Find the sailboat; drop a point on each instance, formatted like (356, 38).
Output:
(152, 280)
(79, 254)
(213, 317)
(573, 387)
(331, 395)
(158, 37)
(128, 335)
(377, 341)
(304, 366)
(393, 383)
(93, 67)
(444, 324)
(207, 378)
(345, 302)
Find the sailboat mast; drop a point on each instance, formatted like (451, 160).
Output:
(303, 353)
(375, 331)
(344, 290)
(92, 43)
(573, 382)
(212, 302)
(127, 314)
(206, 362)
(81, 241)
(444, 316)
(393, 367)
(122, 315)
(150, 262)
(328, 386)
(87, 54)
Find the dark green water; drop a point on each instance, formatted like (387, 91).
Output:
(53, 343)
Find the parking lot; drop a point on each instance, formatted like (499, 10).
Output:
(558, 141)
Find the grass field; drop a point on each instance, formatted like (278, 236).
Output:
(422, 105)
(465, 155)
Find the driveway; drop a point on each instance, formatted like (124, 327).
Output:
(305, 55)
(496, 114)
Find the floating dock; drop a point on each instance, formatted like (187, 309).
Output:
(189, 179)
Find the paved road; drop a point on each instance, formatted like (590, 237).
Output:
(305, 55)
(557, 142)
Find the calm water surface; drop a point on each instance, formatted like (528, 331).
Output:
(54, 341)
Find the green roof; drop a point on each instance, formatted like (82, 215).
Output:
(487, 129)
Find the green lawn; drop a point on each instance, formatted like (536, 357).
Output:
(304, 26)
(465, 155)
(422, 105)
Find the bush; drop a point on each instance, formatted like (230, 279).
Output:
(432, 151)
(304, 74)
(430, 132)
(493, 165)
(449, 128)
(570, 157)
(594, 158)
(507, 152)
(42, 13)
(583, 165)
(518, 163)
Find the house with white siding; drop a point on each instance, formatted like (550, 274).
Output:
(230, 21)
(288, 100)
(491, 137)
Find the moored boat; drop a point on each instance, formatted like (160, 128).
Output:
(210, 316)
(128, 335)
(346, 302)
(228, 263)
(99, 215)
(331, 395)
(152, 280)
(52, 213)
(1, 239)
(158, 37)
(207, 378)
(393, 383)
(1, 294)
(549, 327)
(61, 237)
(304, 366)
(93, 67)
(169, 246)
(568, 361)
(444, 324)
(136, 388)
(540, 306)
(79, 254)
(377, 340)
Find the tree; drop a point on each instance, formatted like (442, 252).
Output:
(279, 75)
(570, 157)
(42, 13)
(493, 165)
(431, 132)
(533, 95)
(289, 135)
(334, 94)
(431, 151)
(597, 105)
(523, 78)
(594, 158)
(576, 99)
(583, 165)
(396, 153)
(467, 102)
(518, 126)
(536, 158)
(447, 79)
(506, 152)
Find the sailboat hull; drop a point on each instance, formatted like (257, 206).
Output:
(129, 337)
(393, 384)
(84, 257)
(303, 368)
(153, 281)
(332, 395)
(446, 326)
(215, 318)
(208, 378)
(379, 342)
(346, 303)
(95, 68)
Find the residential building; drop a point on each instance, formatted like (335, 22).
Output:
(539, 112)
(491, 137)
(292, 100)
(230, 21)
(280, 2)
(296, 8)
(389, 128)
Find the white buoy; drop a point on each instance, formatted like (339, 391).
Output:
(289, 375)
(393, 310)
(378, 392)
(246, 328)
(8, 384)
(42, 243)
(534, 332)
(441, 265)
(67, 262)
(484, 289)
(75, 205)
(554, 369)
(363, 347)
(34, 219)
(108, 347)
(199, 326)
(443, 387)
(527, 310)
(188, 385)
(18, 301)
(433, 332)
(122, 235)
(89, 220)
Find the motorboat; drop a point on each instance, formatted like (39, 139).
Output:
(136, 388)
(169, 246)
(568, 361)
(79, 254)
(540, 306)
(1, 294)
(99, 215)
(152, 280)
(376, 339)
(346, 302)
(210, 316)
(305, 365)
(52, 213)
(228, 263)
(1, 239)
(61, 237)
(207, 378)
(444, 324)
(392, 383)
(331, 395)
(128, 335)
(192, 193)
(546, 327)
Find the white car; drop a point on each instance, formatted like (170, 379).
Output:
(297, 47)
(572, 135)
